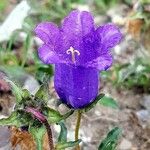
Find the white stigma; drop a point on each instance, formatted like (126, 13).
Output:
(72, 51)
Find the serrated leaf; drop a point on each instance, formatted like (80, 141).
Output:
(38, 133)
(12, 120)
(53, 116)
(109, 102)
(63, 133)
(42, 93)
(61, 146)
(26, 94)
(92, 105)
(110, 142)
(17, 91)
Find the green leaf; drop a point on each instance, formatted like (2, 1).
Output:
(42, 93)
(38, 133)
(26, 94)
(17, 91)
(12, 120)
(53, 116)
(109, 102)
(26, 46)
(110, 142)
(14, 72)
(93, 104)
(63, 133)
(61, 146)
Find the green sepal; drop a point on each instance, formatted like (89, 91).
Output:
(93, 104)
(38, 134)
(12, 120)
(54, 116)
(67, 114)
(110, 142)
(63, 145)
(109, 102)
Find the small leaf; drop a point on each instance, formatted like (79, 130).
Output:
(38, 133)
(92, 105)
(109, 102)
(42, 93)
(61, 146)
(17, 91)
(63, 133)
(12, 120)
(26, 94)
(110, 142)
(53, 116)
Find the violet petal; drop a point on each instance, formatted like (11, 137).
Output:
(48, 32)
(75, 26)
(109, 35)
(101, 63)
(76, 86)
(48, 55)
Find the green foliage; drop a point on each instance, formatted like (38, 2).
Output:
(42, 93)
(110, 142)
(3, 5)
(62, 146)
(43, 72)
(17, 91)
(109, 102)
(50, 10)
(145, 1)
(130, 76)
(62, 139)
(26, 46)
(21, 117)
(105, 4)
(12, 120)
(54, 116)
(38, 134)
(63, 133)
(93, 104)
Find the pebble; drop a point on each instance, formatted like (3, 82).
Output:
(125, 145)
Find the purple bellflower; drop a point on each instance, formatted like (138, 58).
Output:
(79, 51)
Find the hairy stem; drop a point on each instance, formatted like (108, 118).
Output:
(79, 114)
(50, 135)
(38, 115)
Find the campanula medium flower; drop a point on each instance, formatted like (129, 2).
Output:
(79, 51)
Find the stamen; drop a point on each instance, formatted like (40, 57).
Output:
(72, 51)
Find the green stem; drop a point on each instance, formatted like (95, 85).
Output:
(79, 114)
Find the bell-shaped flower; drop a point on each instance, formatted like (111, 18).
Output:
(79, 51)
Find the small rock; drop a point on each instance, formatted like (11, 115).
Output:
(4, 136)
(146, 102)
(143, 115)
(125, 145)
(31, 84)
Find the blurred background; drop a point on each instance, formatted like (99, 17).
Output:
(127, 82)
